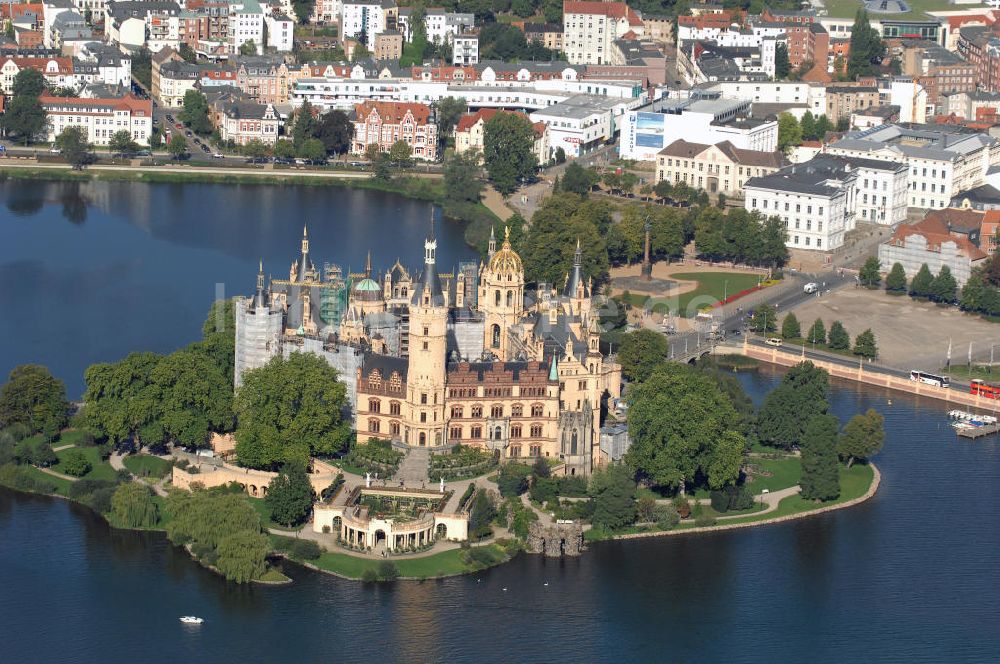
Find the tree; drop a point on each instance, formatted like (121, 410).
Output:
(177, 147)
(121, 143)
(563, 220)
(24, 117)
(789, 132)
(305, 125)
(72, 141)
(790, 328)
(449, 111)
(400, 153)
(195, 113)
(641, 352)
(242, 555)
(155, 139)
(864, 345)
(862, 438)
(303, 9)
(820, 476)
(870, 273)
(866, 49)
(922, 284)
(839, 340)
(560, 156)
(508, 150)
(381, 166)
(781, 64)
(28, 82)
(944, 288)
(313, 150)
(75, 463)
(188, 53)
(336, 131)
(895, 281)
(34, 398)
(288, 410)
(512, 481)
(461, 181)
(481, 516)
(803, 393)
(290, 496)
(817, 333)
(765, 319)
(284, 149)
(823, 127)
(612, 491)
(540, 469)
(248, 48)
(132, 506)
(808, 124)
(684, 428)
(578, 179)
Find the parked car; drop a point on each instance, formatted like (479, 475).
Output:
(773, 341)
(179, 125)
(810, 288)
(217, 155)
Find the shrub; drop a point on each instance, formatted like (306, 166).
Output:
(132, 506)
(201, 550)
(369, 575)
(326, 529)
(482, 557)
(513, 480)
(387, 571)
(732, 498)
(19, 478)
(704, 521)
(645, 508)
(544, 489)
(75, 464)
(682, 506)
(666, 517)
(100, 500)
(304, 549)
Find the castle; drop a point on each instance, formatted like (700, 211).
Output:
(438, 359)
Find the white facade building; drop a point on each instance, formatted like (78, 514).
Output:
(101, 118)
(582, 123)
(246, 24)
(590, 29)
(280, 32)
(777, 92)
(363, 16)
(465, 50)
(441, 26)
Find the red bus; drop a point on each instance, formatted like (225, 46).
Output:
(983, 389)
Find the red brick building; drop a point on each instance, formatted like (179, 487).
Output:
(383, 123)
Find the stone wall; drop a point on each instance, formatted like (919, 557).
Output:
(556, 540)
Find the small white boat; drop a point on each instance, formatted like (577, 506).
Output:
(192, 620)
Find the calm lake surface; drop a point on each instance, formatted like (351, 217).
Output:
(912, 575)
(92, 271)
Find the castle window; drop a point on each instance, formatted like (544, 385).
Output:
(374, 406)
(573, 444)
(510, 298)
(394, 428)
(477, 432)
(423, 417)
(517, 410)
(515, 451)
(496, 298)
(395, 382)
(375, 379)
(394, 408)
(423, 398)
(515, 431)
(497, 433)
(456, 433)
(373, 425)
(456, 411)
(495, 334)
(536, 430)
(477, 410)
(496, 410)
(535, 450)
(537, 410)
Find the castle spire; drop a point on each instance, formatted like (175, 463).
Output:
(574, 279)
(493, 242)
(368, 264)
(259, 297)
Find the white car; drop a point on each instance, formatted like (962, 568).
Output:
(55, 150)
(811, 287)
(217, 155)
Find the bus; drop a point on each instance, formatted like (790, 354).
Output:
(984, 389)
(929, 378)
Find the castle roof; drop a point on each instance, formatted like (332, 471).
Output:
(506, 261)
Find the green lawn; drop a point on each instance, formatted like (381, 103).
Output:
(62, 486)
(264, 510)
(785, 473)
(441, 564)
(848, 8)
(981, 371)
(712, 287)
(146, 465)
(101, 470)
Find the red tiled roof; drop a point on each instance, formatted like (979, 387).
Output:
(467, 122)
(15, 11)
(393, 112)
(65, 64)
(610, 9)
(128, 102)
(934, 229)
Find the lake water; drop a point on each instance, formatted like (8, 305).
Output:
(92, 271)
(911, 575)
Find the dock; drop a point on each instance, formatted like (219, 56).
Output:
(979, 432)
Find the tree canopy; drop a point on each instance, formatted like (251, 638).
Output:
(336, 131)
(290, 496)
(195, 113)
(820, 477)
(866, 48)
(627, 239)
(288, 410)
(684, 429)
(740, 236)
(508, 154)
(24, 116)
(33, 397)
(132, 506)
(75, 148)
(802, 394)
(612, 491)
(641, 352)
(862, 437)
(550, 243)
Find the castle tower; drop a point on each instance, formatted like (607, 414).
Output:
(577, 289)
(501, 297)
(258, 330)
(425, 380)
(303, 269)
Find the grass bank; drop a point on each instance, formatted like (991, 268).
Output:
(712, 287)
(446, 563)
(146, 465)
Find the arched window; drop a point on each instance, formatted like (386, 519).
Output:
(536, 430)
(456, 411)
(515, 451)
(498, 433)
(394, 428)
(496, 298)
(477, 410)
(495, 336)
(510, 298)
(537, 410)
(496, 410)
(375, 379)
(456, 433)
(515, 431)
(374, 406)
(394, 407)
(572, 445)
(373, 425)
(517, 410)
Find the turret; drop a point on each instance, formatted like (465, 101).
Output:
(260, 297)
(493, 244)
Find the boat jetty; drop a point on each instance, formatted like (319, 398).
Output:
(971, 425)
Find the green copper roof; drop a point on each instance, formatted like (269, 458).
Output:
(368, 285)
(554, 370)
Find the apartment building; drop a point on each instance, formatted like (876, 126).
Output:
(101, 118)
(718, 169)
(383, 123)
(590, 28)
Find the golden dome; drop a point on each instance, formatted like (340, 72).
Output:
(506, 261)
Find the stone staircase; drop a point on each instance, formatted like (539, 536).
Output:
(413, 468)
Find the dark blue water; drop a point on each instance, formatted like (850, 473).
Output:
(89, 272)
(912, 575)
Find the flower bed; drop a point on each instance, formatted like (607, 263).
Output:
(462, 462)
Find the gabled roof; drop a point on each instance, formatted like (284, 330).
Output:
(935, 231)
(468, 121)
(392, 112)
(609, 9)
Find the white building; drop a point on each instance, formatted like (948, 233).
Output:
(364, 16)
(246, 24)
(50, 10)
(794, 93)
(648, 129)
(113, 66)
(881, 190)
(101, 118)
(815, 200)
(280, 32)
(590, 28)
(582, 123)
(441, 25)
(942, 160)
(465, 49)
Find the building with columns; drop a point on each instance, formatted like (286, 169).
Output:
(437, 359)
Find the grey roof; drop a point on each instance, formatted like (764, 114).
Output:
(575, 278)
(124, 9)
(820, 176)
(937, 142)
(385, 364)
(984, 194)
